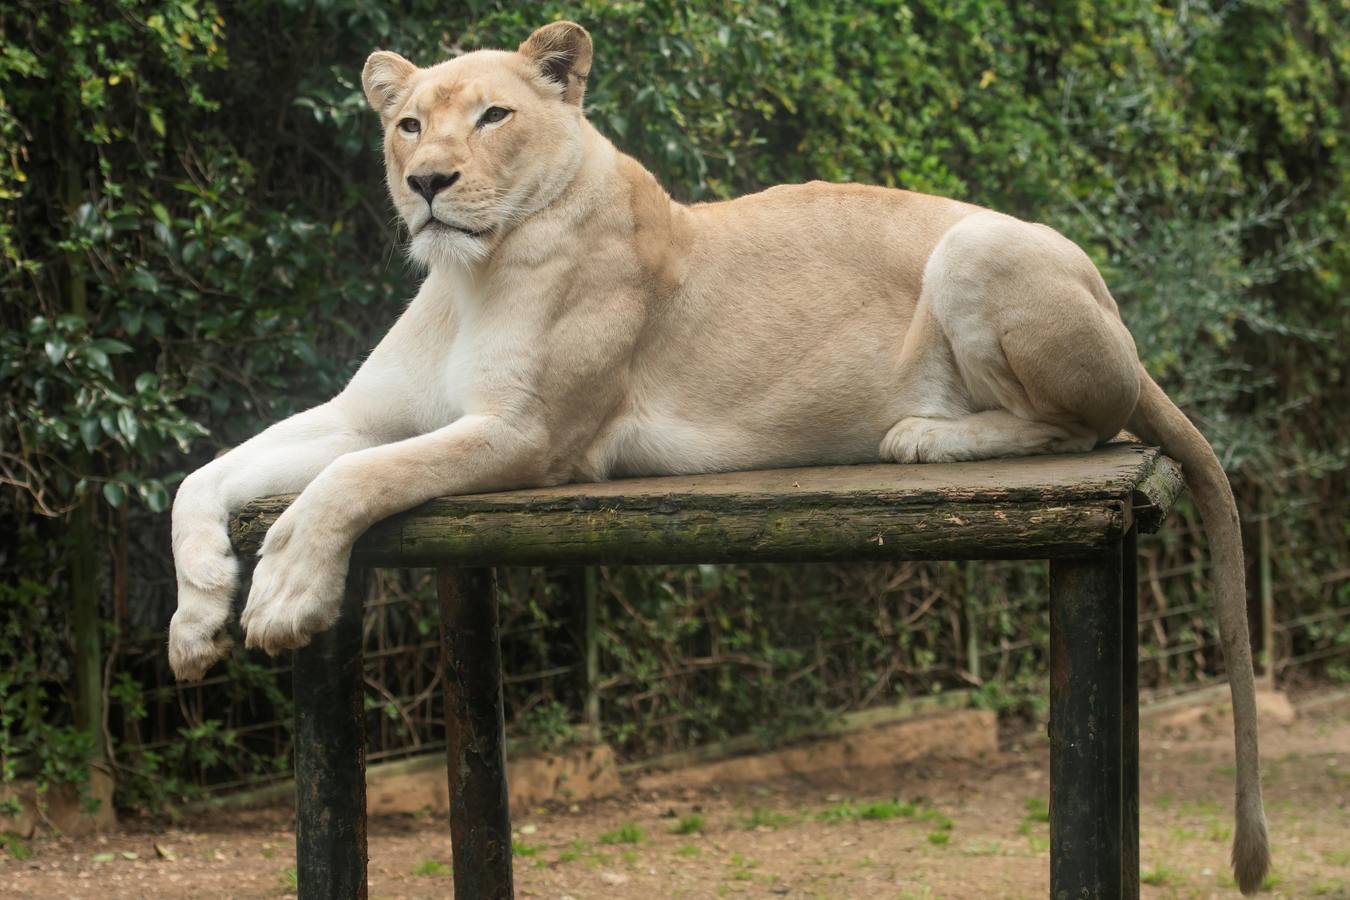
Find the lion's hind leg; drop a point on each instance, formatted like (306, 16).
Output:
(983, 435)
(1017, 350)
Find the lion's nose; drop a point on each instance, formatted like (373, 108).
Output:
(431, 185)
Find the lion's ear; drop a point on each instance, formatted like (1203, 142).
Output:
(384, 77)
(562, 51)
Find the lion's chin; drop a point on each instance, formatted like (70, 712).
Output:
(439, 246)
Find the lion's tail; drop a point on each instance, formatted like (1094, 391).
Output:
(1156, 419)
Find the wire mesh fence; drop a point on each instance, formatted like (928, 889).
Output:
(673, 657)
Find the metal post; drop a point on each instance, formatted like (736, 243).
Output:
(328, 685)
(1086, 670)
(480, 820)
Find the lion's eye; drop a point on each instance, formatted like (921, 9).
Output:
(493, 114)
(409, 126)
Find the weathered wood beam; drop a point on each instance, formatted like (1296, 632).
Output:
(1036, 507)
(438, 533)
(1156, 493)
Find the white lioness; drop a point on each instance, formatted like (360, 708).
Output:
(576, 324)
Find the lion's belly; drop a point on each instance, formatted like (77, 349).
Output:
(786, 406)
(658, 443)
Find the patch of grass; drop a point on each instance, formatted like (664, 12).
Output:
(290, 880)
(886, 809)
(767, 818)
(690, 824)
(428, 868)
(15, 846)
(575, 851)
(1038, 809)
(627, 833)
(1183, 835)
(1204, 807)
(741, 867)
(983, 848)
(1220, 831)
(939, 838)
(688, 851)
(1338, 857)
(520, 848)
(1034, 822)
(937, 819)
(1157, 876)
(881, 810)
(1332, 887)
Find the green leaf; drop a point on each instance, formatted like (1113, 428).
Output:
(110, 345)
(238, 247)
(127, 422)
(90, 433)
(56, 350)
(157, 122)
(143, 279)
(114, 493)
(155, 496)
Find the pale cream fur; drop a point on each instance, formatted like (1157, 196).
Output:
(577, 324)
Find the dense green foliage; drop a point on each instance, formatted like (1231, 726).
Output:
(194, 238)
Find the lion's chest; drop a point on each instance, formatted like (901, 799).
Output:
(477, 366)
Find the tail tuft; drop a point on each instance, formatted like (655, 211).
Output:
(1251, 850)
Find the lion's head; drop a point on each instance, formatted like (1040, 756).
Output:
(475, 144)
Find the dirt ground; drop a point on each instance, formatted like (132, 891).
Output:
(941, 829)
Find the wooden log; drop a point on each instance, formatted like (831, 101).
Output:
(712, 535)
(1159, 487)
(1085, 726)
(1035, 507)
(480, 818)
(328, 685)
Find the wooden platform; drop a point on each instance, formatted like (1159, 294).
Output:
(1082, 512)
(1029, 508)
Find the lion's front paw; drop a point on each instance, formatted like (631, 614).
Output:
(297, 585)
(207, 577)
(197, 643)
